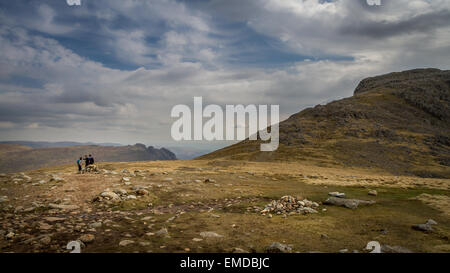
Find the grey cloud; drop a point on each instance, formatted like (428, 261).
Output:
(382, 29)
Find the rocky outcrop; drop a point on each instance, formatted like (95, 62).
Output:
(427, 89)
(278, 248)
(347, 203)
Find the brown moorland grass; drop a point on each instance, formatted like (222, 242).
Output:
(229, 205)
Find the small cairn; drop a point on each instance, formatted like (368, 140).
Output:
(91, 169)
(290, 205)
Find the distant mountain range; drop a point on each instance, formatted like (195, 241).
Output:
(182, 153)
(15, 157)
(45, 144)
(397, 122)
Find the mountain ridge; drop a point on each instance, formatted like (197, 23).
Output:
(56, 144)
(21, 158)
(396, 122)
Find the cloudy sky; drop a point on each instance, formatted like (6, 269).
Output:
(111, 70)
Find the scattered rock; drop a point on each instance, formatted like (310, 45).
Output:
(337, 194)
(44, 226)
(87, 238)
(373, 193)
(394, 249)
(163, 233)
(126, 243)
(17, 180)
(55, 178)
(278, 248)
(96, 225)
(10, 235)
(121, 192)
(63, 207)
(131, 197)
(308, 210)
(427, 227)
(33, 239)
(26, 177)
(46, 240)
(423, 227)
(210, 234)
(53, 219)
(114, 196)
(239, 250)
(348, 203)
(142, 192)
(109, 195)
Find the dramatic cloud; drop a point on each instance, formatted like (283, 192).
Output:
(111, 71)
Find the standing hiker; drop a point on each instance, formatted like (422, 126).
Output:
(79, 164)
(86, 161)
(91, 160)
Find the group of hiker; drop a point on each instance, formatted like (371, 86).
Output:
(88, 160)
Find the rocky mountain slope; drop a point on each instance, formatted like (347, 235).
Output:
(19, 158)
(397, 122)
